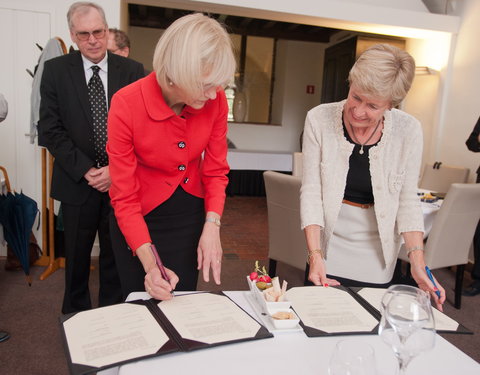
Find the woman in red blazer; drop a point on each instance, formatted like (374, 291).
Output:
(167, 149)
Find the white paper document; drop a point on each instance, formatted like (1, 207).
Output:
(208, 318)
(330, 310)
(374, 297)
(113, 334)
(107, 336)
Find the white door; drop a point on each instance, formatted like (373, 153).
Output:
(19, 31)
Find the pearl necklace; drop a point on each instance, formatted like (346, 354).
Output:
(364, 143)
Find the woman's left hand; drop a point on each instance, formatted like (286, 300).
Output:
(420, 276)
(209, 252)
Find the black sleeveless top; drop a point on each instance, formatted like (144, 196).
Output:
(359, 181)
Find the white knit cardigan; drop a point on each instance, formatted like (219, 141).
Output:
(394, 167)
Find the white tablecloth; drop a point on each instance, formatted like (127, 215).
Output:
(429, 212)
(292, 353)
(259, 160)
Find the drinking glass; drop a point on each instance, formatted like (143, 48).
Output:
(352, 357)
(400, 288)
(407, 323)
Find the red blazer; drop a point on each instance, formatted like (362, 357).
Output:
(152, 151)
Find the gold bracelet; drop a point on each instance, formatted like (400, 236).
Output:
(414, 248)
(311, 253)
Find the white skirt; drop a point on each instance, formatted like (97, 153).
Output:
(355, 250)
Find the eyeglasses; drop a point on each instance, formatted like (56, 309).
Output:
(85, 35)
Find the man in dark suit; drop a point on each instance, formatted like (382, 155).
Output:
(75, 90)
(473, 144)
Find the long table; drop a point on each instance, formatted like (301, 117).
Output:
(259, 160)
(429, 212)
(292, 353)
(247, 167)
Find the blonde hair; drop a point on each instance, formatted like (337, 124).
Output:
(83, 7)
(384, 71)
(194, 51)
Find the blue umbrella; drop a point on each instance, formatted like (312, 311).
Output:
(17, 215)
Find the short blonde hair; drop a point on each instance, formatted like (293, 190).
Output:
(195, 50)
(384, 71)
(83, 7)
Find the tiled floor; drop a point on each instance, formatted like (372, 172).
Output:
(245, 228)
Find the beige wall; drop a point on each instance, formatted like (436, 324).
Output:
(143, 41)
(298, 64)
(462, 107)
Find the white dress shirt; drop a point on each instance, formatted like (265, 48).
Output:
(103, 72)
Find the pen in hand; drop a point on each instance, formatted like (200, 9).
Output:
(160, 266)
(430, 276)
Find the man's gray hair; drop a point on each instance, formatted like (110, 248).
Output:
(83, 7)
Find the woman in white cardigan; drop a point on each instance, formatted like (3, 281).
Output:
(359, 191)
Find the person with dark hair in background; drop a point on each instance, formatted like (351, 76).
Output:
(118, 42)
(473, 144)
(75, 94)
(3, 114)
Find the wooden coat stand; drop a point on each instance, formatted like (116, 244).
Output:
(48, 221)
(7, 180)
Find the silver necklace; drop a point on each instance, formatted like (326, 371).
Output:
(364, 143)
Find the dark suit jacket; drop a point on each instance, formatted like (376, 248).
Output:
(473, 144)
(66, 128)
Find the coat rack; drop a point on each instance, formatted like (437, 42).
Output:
(48, 216)
(48, 221)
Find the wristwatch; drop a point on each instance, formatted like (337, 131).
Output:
(213, 220)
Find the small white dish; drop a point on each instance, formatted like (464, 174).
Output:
(284, 323)
(264, 317)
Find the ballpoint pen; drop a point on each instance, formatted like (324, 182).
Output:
(430, 276)
(160, 266)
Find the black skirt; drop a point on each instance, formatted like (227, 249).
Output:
(175, 227)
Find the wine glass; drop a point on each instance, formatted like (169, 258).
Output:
(352, 357)
(398, 288)
(407, 323)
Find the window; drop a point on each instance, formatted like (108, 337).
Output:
(254, 78)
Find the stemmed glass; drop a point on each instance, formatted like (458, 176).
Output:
(407, 323)
(352, 357)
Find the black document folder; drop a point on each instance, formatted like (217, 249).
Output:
(334, 321)
(460, 329)
(319, 318)
(110, 336)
